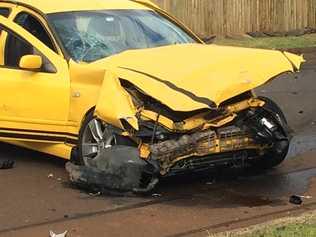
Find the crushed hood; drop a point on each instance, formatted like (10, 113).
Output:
(195, 76)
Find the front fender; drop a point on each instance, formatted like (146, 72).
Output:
(115, 104)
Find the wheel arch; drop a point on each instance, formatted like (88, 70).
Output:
(86, 115)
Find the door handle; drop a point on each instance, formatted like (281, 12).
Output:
(76, 94)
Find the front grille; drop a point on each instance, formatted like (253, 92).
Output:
(228, 159)
(201, 144)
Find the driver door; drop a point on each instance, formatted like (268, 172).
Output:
(34, 103)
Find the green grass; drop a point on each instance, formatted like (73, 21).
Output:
(291, 230)
(301, 226)
(304, 41)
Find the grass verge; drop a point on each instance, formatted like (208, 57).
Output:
(302, 226)
(305, 41)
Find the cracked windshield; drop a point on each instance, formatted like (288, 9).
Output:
(90, 36)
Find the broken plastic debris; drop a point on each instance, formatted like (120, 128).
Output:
(306, 197)
(117, 169)
(52, 234)
(297, 200)
(211, 182)
(95, 194)
(156, 195)
(50, 176)
(7, 164)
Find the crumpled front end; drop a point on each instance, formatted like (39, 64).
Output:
(175, 130)
(171, 138)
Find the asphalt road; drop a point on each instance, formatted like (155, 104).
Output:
(36, 196)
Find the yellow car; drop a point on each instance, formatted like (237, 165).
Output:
(122, 81)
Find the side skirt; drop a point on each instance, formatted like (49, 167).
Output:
(60, 150)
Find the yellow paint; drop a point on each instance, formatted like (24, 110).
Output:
(182, 77)
(115, 104)
(199, 121)
(85, 85)
(60, 150)
(208, 71)
(234, 108)
(81, 5)
(144, 151)
(220, 121)
(31, 62)
(38, 95)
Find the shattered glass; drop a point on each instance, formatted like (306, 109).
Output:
(92, 35)
(84, 46)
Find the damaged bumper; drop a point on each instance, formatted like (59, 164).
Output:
(164, 151)
(176, 122)
(117, 169)
(201, 144)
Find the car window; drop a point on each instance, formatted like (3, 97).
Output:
(34, 26)
(16, 48)
(88, 36)
(4, 11)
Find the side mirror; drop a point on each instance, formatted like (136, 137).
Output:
(31, 62)
(209, 40)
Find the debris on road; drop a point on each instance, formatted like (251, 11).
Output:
(306, 197)
(7, 164)
(50, 176)
(211, 182)
(95, 194)
(156, 195)
(297, 200)
(52, 234)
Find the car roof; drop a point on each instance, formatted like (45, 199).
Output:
(55, 6)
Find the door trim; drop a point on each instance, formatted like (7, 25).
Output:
(36, 135)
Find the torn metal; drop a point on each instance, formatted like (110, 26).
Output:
(189, 118)
(254, 132)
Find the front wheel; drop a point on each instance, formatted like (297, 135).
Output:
(275, 155)
(96, 136)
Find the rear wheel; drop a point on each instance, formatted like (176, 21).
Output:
(278, 152)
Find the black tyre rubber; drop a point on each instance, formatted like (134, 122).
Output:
(272, 158)
(85, 123)
(272, 106)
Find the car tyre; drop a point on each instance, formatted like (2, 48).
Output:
(95, 135)
(272, 158)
